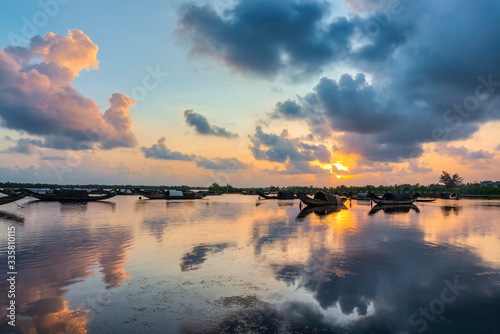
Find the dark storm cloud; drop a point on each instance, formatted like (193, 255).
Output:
(267, 37)
(221, 163)
(162, 152)
(416, 78)
(202, 126)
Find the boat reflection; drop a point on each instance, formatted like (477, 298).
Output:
(447, 210)
(320, 211)
(394, 209)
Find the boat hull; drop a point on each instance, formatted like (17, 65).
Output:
(402, 200)
(315, 202)
(165, 196)
(59, 198)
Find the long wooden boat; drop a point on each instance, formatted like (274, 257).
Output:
(321, 198)
(171, 194)
(394, 199)
(280, 195)
(363, 197)
(11, 198)
(426, 200)
(69, 195)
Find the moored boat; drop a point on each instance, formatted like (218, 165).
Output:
(426, 200)
(280, 195)
(69, 195)
(363, 197)
(321, 198)
(393, 199)
(171, 194)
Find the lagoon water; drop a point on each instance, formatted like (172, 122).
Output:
(236, 264)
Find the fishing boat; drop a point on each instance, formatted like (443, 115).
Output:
(11, 197)
(69, 195)
(363, 197)
(321, 198)
(280, 195)
(393, 209)
(425, 200)
(171, 194)
(393, 199)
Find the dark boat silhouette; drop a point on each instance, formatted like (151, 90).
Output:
(69, 195)
(393, 199)
(321, 198)
(171, 194)
(280, 195)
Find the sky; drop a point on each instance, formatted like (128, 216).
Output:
(250, 93)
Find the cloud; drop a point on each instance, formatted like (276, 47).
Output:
(295, 154)
(407, 85)
(24, 146)
(221, 163)
(202, 126)
(162, 152)
(267, 37)
(464, 156)
(37, 97)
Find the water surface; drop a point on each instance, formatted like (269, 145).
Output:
(236, 264)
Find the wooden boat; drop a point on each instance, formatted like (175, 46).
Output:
(171, 194)
(393, 199)
(321, 210)
(392, 209)
(12, 197)
(321, 198)
(69, 195)
(426, 200)
(280, 195)
(363, 197)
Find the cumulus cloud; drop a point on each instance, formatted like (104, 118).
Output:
(295, 154)
(162, 152)
(221, 163)
(37, 97)
(202, 126)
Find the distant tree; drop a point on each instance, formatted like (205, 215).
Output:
(450, 181)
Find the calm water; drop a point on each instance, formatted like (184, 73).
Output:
(234, 264)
